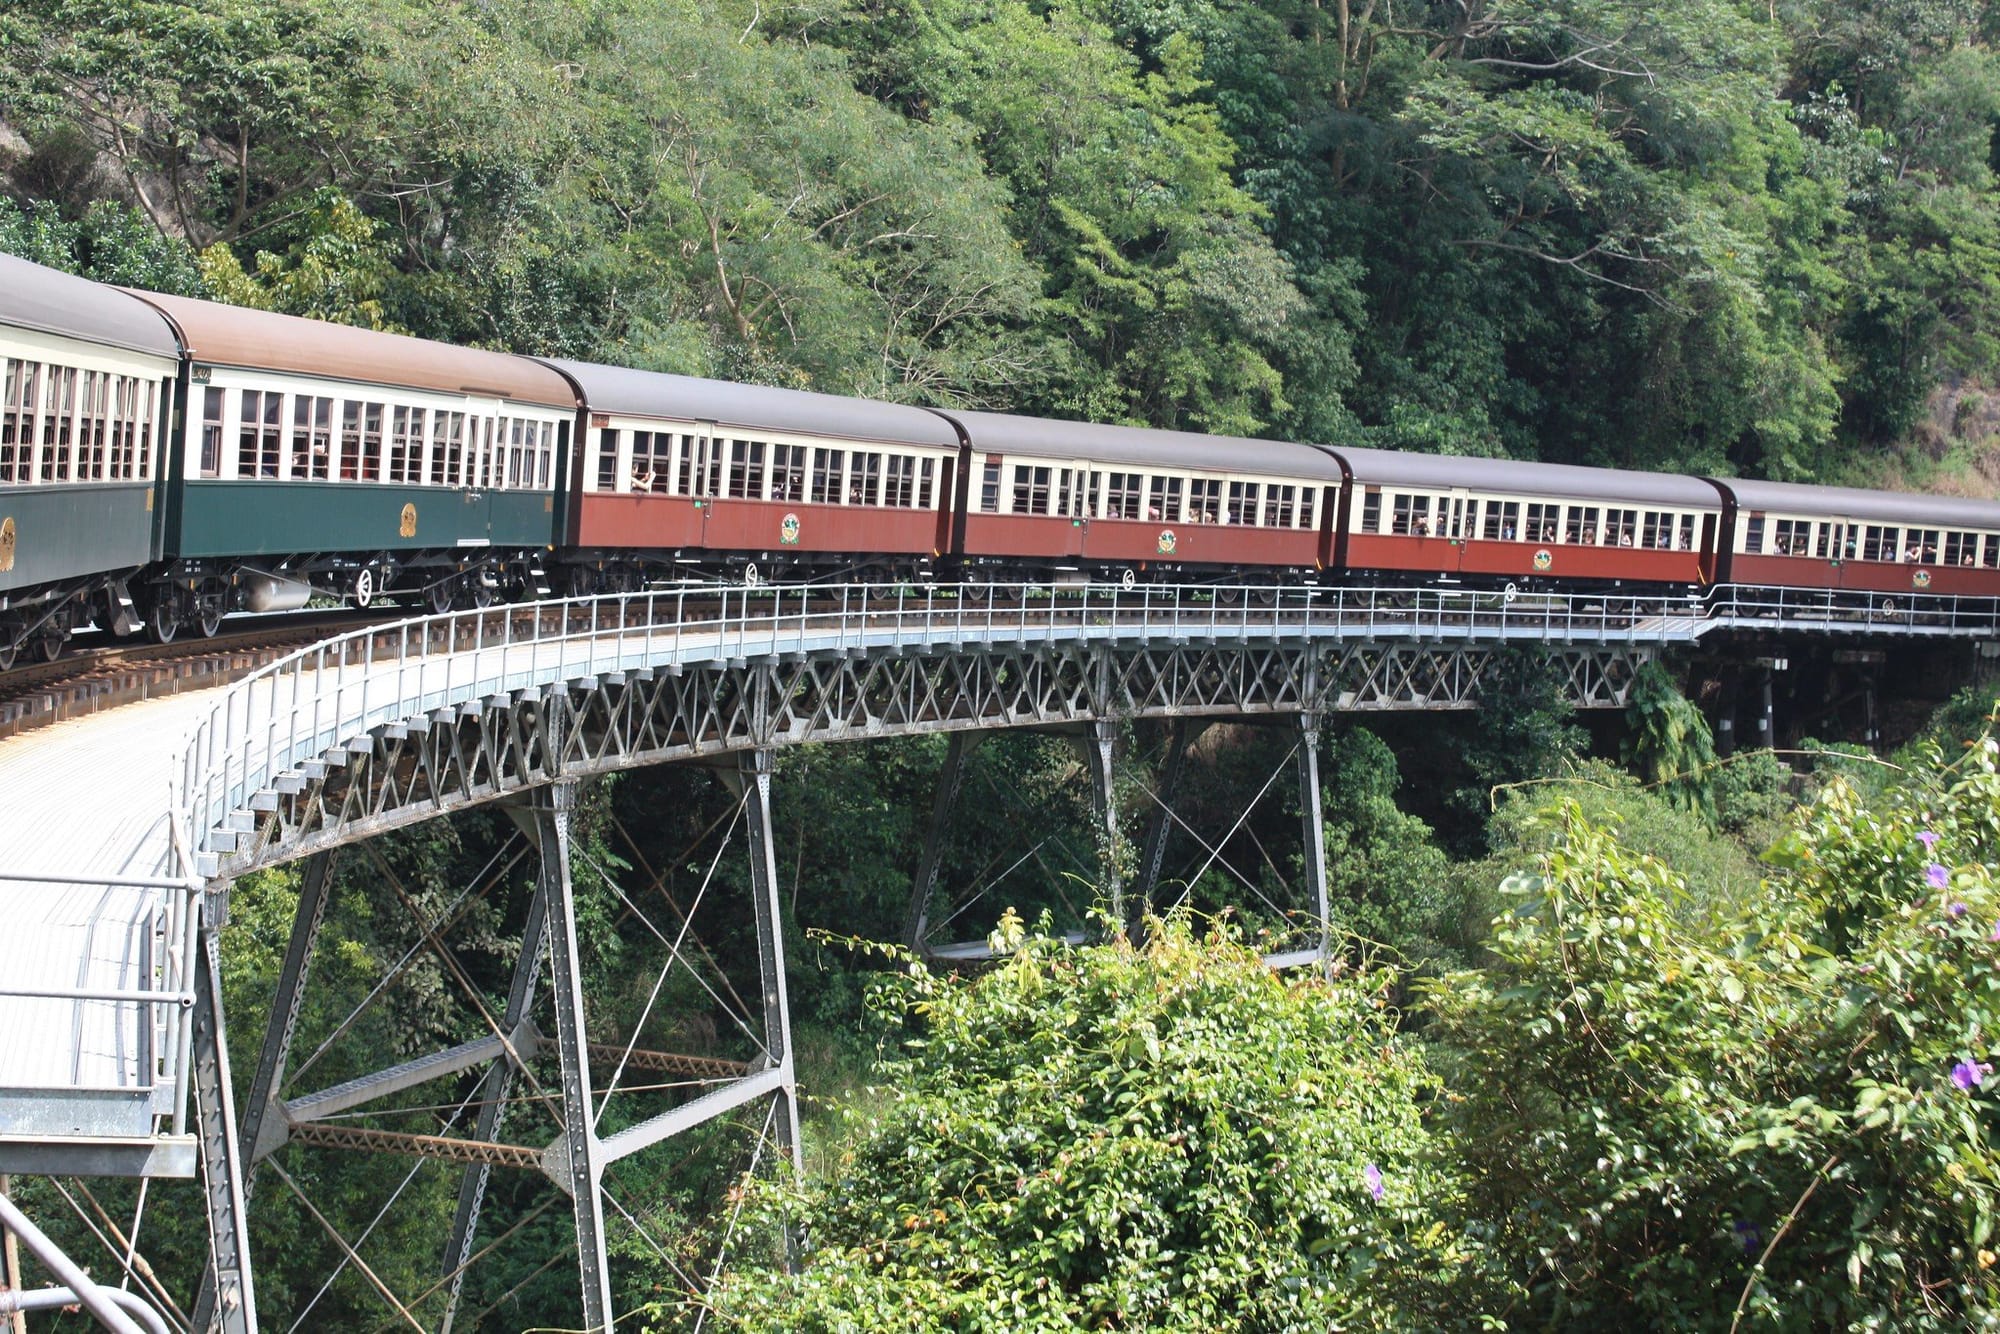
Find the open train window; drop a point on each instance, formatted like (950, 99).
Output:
(1371, 511)
(1163, 504)
(1878, 542)
(1541, 523)
(926, 483)
(607, 458)
(1621, 528)
(1410, 516)
(1031, 489)
(829, 476)
(1580, 527)
(1502, 521)
(1204, 502)
(1920, 545)
(989, 488)
(1281, 504)
(652, 460)
(360, 439)
(1242, 503)
(257, 442)
(1124, 492)
(788, 473)
(1792, 537)
(864, 482)
(1989, 551)
(899, 480)
(1961, 548)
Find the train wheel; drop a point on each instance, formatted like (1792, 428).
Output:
(579, 581)
(47, 646)
(9, 649)
(209, 616)
(440, 593)
(163, 615)
(482, 593)
(364, 586)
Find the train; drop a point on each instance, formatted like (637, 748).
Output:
(165, 461)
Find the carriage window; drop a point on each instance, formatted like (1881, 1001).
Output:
(607, 459)
(1309, 507)
(257, 442)
(926, 483)
(653, 459)
(1621, 528)
(746, 469)
(899, 480)
(1163, 501)
(788, 473)
(1412, 516)
(864, 484)
(448, 453)
(1067, 492)
(828, 482)
(1281, 505)
(1503, 521)
(1031, 489)
(1541, 523)
(1123, 494)
(1580, 528)
(1242, 503)
(1826, 541)
(1920, 545)
(125, 426)
(1371, 512)
(989, 488)
(1204, 500)
(90, 424)
(1961, 548)
(360, 438)
(312, 435)
(1989, 551)
(406, 436)
(17, 421)
(58, 406)
(1878, 543)
(1792, 537)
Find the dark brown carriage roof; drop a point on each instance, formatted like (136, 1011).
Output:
(1380, 467)
(1141, 447)
(1883, 506)
(632, 393)
(262, 340)
(52, 302)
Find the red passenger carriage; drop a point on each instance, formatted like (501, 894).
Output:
(1790, 535)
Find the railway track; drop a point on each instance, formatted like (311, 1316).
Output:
(103, 673)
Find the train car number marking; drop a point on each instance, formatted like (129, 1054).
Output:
(408, 526)
(788, 530)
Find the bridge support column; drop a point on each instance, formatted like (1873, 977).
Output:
(1153, 852)
(1099, 749)
(576, 1153)
(1312, 827)
(753, 779)
(492, 1095)
(232, 1305)
(1764, 711)
(923, 887)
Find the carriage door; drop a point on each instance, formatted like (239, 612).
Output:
(1077, 491)
(474, 449)
(1458, 525)
(700, 476)
(1831, 545)
(1710, 558)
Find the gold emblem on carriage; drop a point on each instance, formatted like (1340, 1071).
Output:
(788, 530)
(1544, 558)
(1920, 579)
(1168, 542)
(408, 526)
(6, 544)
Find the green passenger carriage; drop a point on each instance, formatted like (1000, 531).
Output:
(85, 378)
(316, 458)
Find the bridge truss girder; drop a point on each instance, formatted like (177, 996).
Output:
(418, 768)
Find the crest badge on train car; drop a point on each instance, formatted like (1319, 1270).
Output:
(1544, 558)
(1920, 579)
(408, 526)
(788, 530)
(6, 544)
(1168, 542)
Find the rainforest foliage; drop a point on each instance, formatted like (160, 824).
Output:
(1730, 235)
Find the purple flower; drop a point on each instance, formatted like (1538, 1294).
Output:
(1957, 910)
(1967, 1074)
(1996, 932)
(1372, 1175)
(1937, 876)
(1927, 838)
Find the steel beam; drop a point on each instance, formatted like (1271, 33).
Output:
(423, 1069)
(1099, 750)
(688, 1115)
(231, 1301)
(754, 777)
(493, 1091)
(1312, 828)
(581, 1173)
(1181, 735)
(443, 1148)
(923, 886)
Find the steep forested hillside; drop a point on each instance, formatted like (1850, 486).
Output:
(1755, 237)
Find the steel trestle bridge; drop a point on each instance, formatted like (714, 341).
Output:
(112, 1052)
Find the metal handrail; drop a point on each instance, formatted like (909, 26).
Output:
(320, 697)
